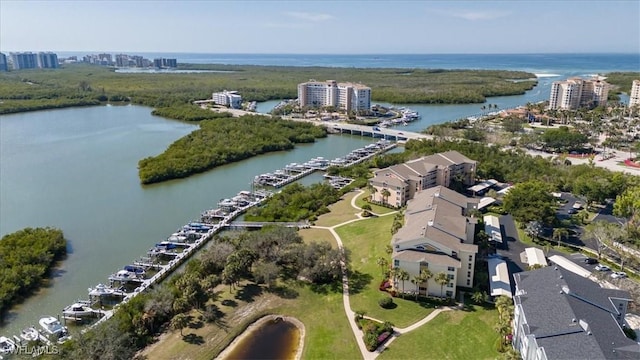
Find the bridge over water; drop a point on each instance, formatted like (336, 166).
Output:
(375, 132)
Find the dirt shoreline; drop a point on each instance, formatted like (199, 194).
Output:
(256, 324)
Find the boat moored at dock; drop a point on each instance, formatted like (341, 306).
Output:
(54, 330)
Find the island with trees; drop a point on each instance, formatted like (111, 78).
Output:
(225, 140)
(26, 258)
(81, 85)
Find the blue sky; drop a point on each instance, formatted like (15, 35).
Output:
(321, 27)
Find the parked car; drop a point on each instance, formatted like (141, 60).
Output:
(572, 211)
(577, 205)
(618, 275)
(601, 267)
(590, 261)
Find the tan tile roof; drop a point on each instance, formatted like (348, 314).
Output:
(389, 178)
(433, 214)
(431, 258)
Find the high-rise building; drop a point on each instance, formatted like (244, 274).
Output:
(575, 92)
(165, 63)
(24, 60)
(122, 60)
(47, 60)
(634, 96)
(342, 96)
(3, 62)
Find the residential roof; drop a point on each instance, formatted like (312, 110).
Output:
(431, 258)
(389, 178)
(570, 265)
(485, 201)
(492, 228)
(535, 256)
(572, 317)
(437, 214)
(422, 166)
(499, 280)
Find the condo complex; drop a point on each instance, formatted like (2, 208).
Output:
(342, 96)
(574, 93)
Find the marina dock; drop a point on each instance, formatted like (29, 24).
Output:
(162, 259)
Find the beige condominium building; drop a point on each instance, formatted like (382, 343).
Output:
(397, 184)
(575, 92)
(634, 96)
(342, 96)
(437, 235)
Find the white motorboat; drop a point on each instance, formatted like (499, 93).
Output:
(77, 310)
(101, 290)
(30, 334)
(54, 329)
(7, 346)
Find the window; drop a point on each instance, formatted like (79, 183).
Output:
(450, 285)
(469, 266)
(449, 293)
(396, 263)
(450, 276)
(451, 268)
(424, 264)
(468, 274)
(470, 258)
(468, 282)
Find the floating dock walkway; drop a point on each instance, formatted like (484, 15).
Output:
(196, 234)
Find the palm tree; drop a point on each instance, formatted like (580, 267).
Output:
(425, 275)
(604, 233)
(442, 280)
(403, 275)
(385, 195)
(559, 234)
(383, 263)
(179, 322)
(479, 297)
(416, 280)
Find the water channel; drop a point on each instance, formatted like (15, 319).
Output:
(76, 169)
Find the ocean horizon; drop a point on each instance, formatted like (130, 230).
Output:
(568, 64)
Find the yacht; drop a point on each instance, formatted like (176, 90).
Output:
(101, 290)
(78, 309)
(124, 275)
(30, 334)
(138, 270)
(53, 328)
(7, 346)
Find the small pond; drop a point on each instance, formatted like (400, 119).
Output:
(273, 337)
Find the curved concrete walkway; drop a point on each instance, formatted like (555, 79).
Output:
(366, 354)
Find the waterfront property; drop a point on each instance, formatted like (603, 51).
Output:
(561, 315)
(438, 235)
(227, 98)
(342, 96)
(397, 184)
(575, 92)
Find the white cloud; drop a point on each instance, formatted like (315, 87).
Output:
(477, 15)
(284, 25)
(315, 17)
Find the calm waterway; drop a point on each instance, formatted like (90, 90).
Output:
(76, 169)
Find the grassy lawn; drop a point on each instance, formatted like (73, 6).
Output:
(367, 240)
(328, 335)
(375, 208)
(309, 235)
(451, 335)
(340, 212)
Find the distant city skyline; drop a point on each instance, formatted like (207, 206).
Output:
(321, 27)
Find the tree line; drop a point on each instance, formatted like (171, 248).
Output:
(79, 83)
(272, 257)
(222, 141)
(26, 257)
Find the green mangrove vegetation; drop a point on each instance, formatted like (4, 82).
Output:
(225, 140)
(296, 202)
(81, 84)
(26, 256)
(621, 82)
